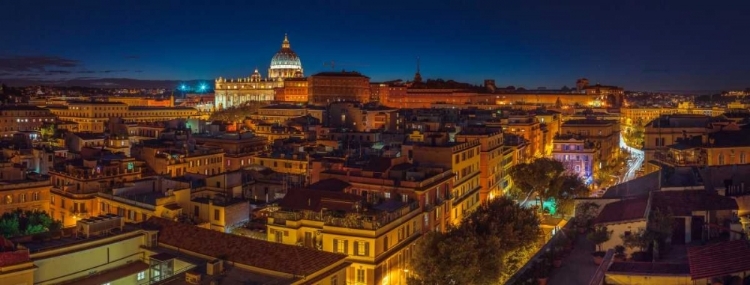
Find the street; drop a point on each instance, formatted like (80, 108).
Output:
(635, 162)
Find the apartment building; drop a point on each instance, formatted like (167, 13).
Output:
(605, 134)
(578, 155)
(463, 158)
(491, 166)
(76, 183)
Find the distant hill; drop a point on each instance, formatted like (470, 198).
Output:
(104, 82)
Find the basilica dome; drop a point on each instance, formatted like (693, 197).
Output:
(285, 63)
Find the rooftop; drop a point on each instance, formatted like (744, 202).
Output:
(717, 260)
(649, 268)
(623, 211)
(295, 260)
(589, 122)
(683, 203)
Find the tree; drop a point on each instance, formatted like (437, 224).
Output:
(48, 132)
(661, 223)
(490, 245)
(599, 236)
(547, 178)
(536, 176)
(640, 240)
(584, 213)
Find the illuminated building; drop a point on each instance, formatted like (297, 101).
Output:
(387, 204)
(161, 251)
(27, 194)
(578, 155)
(525, 125)
(329, 87)
(279, 114)
(668, 129)
(234, 92)
(75, 184)
(611, 95)
(490, 158)
(361, 117)
(639, 116)
(239, 149)
(463, 158)
(17, 118)
(92, 116)
(143, 101)
(296, 164)
(178, 159)
(252, 260)
(550, 122)
(294, 90)
(604, 133)
(715, 148)
(274, 132)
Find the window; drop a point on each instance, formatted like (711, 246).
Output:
(334, 281)
(385, 243)
(141, 275)
(363, 248)
(340, 246)
(360, 275)
(216, 214)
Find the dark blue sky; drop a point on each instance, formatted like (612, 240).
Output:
(641, 45)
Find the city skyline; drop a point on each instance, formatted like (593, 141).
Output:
(652, 47)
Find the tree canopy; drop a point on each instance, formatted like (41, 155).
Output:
(490, 245)
(19, 222)
(549, 180)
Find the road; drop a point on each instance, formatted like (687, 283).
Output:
(635, 162)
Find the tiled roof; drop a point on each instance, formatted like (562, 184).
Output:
(271, 256)
(719, 259)
(623, 210)
(650, 268)
(683, 203)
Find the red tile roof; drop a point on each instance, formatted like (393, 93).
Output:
(719, 259)
(683, 203)
(623, 211)
(296, 260)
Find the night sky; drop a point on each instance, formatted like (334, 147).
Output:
(640, 45)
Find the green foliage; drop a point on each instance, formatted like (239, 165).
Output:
(547, 178)
(599, 236)
(661, 223)
(490, 245)
(19, 222)
(585, 212)
(640, 240)
(236, 114)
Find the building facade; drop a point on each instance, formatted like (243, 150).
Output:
(235, 92)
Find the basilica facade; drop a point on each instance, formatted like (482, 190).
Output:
(235, 92)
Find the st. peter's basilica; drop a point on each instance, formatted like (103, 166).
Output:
(234, 92)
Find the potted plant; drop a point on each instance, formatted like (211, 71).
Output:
(619, 253)
(557, 253)
(541, 271)
(598, 236)
(585, 213)
(563, 245)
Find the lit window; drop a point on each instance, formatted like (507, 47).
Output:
(141, 275)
